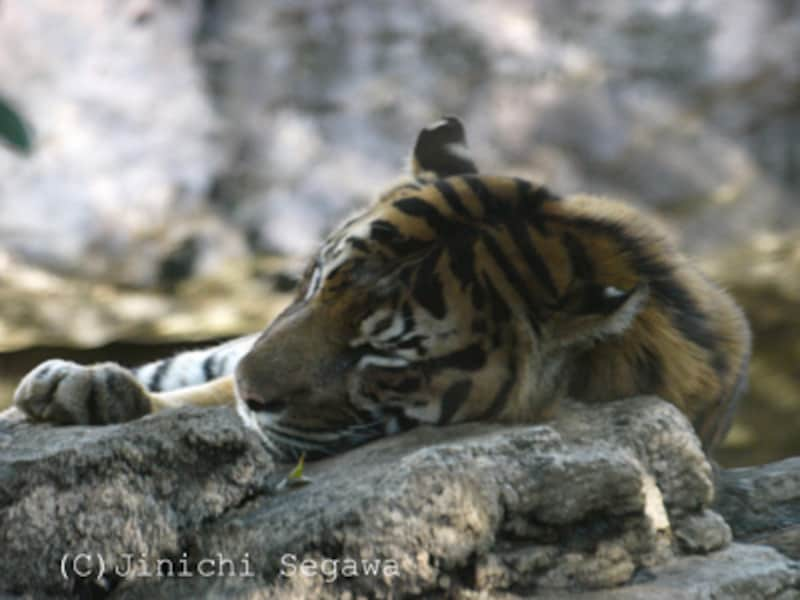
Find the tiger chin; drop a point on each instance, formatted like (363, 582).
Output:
(457, 296)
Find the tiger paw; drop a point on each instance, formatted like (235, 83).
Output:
(66, 393)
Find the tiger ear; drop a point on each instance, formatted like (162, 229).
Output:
(441, 150)
(594, 311)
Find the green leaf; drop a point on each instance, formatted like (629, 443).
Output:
(297, 472)
(13, 129)
(295, 478)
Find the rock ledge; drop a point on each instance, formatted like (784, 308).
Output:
(602, 497)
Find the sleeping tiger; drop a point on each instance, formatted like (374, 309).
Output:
(457, 296)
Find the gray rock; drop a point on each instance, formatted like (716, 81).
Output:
(662, 103)
(601, 497)
(762, 504)
(127, 144)
(111, 492)
(739, 571)
(702, 533)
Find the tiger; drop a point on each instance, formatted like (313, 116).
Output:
(456, 296)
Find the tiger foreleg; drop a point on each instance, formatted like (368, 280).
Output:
(63, 392)
(217, 392)
(66, 393)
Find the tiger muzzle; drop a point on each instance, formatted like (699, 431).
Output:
(291, 365)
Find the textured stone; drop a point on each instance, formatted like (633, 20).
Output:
(702, 533)
(662, 103)
(762, 504)
(739, 571)
(127, 144)
(601, 497)
(111, 492)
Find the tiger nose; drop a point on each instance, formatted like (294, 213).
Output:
(255, 399)
(258, 403)
(268, 394)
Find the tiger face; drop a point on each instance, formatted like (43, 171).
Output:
(461, 297)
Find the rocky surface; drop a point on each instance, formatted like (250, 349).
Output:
(126, 142)
(110, 491)
(602, 497)
(762, 504)
(662, 103)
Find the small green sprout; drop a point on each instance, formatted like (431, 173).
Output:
(295, 478)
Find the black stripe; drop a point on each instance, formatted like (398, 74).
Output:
(449, 193)
(685, 313)
(382, 325)
(389, 235)
(582, 267)
(683, 310)
(357, 243)
(491, 207)
(501, 399)
(453, 399)
(462, 256)
(508, 269)
(158, 375)
(501, 312)
(470, 358)
(209, 367)
(382, 231)
(409, 246)
(522, 238)
(332, 275)
(532, 197)
(428, 289)
(417, 207)
(478, 297)
(414, 342)
(479, 326)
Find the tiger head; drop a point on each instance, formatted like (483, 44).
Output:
(415, 311)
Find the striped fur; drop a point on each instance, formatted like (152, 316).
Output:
(461, 296)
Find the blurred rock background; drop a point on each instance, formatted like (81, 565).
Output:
(188, 153)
